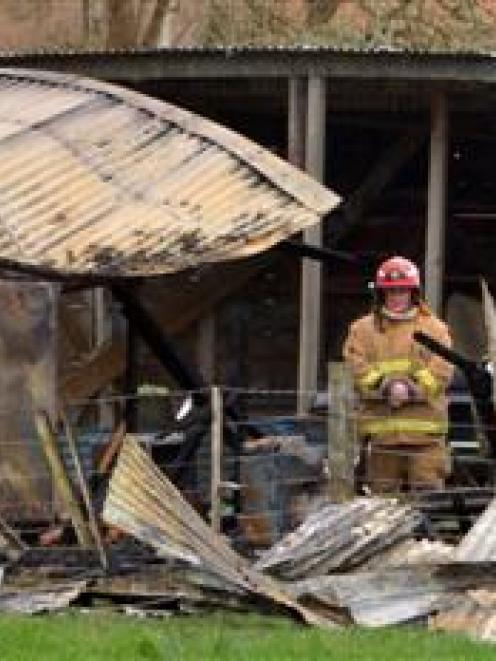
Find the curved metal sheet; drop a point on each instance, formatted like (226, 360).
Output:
(96, 179)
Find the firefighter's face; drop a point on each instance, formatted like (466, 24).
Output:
(398, 299)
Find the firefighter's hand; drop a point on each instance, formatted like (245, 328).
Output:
(416, 391)
(398, 393)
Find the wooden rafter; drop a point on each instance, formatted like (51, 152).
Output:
(387, 167)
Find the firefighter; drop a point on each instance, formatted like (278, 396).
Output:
(402, 386)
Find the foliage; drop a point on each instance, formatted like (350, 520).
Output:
(104, 637)
(246, 22)
(434, 25)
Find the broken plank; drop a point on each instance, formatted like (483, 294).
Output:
(100, 369)
(61, 480)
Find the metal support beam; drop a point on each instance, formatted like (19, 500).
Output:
(436, 203)
(311, 273)
(383, 68)
(216, 454)
(297, 119)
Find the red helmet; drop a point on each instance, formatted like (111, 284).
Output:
(397, 272)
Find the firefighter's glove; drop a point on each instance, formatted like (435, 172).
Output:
(396, 392)
(416, 391)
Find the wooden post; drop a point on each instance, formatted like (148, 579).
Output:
(342, 433)
(216, 458)
(436, 202)
(311, 274)
(62, 482)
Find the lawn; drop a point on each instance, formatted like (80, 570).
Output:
(104, 637)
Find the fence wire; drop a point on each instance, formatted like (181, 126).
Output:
(276, 466)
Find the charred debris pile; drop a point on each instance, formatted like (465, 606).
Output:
(367, 562)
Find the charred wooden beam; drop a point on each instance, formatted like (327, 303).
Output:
(326, 255)
(387, 167)
(156, 339)
(100, 369)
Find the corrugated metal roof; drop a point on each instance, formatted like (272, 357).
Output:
(468, 49)
(97, 179)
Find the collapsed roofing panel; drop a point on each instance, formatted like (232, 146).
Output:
(479, 544)
(340, 537)
(98, 179)
(142, 501)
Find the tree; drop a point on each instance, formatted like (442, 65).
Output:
(421, 24)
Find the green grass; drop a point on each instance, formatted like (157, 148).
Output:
(99, 637)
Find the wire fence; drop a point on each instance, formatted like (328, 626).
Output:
(257, 474)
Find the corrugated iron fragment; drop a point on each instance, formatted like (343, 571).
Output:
(40, 599)
(379, 598)
(95, 178)
(169, 587)
(479, 544)
(142, 501)
(413, 552)
(340, 538)
(393, 595)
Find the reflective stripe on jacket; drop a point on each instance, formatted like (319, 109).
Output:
(400, 367)
(379, 426)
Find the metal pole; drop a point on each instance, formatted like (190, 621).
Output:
(436, 203)
(216, 458)
(311, 274)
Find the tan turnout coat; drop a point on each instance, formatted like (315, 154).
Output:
(377, 348)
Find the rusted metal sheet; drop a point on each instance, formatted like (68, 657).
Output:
(340, 537)
(378, 598)
(102, 180)
(143, 502)
(393, 595)
(40, 599)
